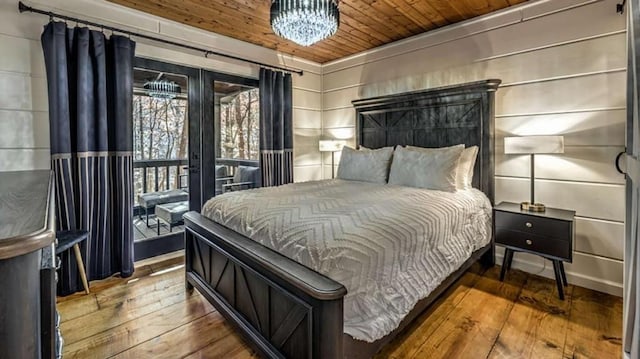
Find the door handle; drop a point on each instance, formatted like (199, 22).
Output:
(618, 157)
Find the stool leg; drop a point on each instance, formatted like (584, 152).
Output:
(83, 274)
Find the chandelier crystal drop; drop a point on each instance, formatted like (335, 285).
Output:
(305, 22)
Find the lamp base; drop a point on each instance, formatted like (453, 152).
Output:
(532, 207)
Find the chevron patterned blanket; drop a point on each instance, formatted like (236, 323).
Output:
(390, 246)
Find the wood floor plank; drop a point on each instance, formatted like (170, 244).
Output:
(128, 288)
(122, 337)
(408, 343)
(181, 341)
(230, 346)
(595, 326)
(162, 261)
(536, 325)
(471, 330)
(117, 312)
(100, 285)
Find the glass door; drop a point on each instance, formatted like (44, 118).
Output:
(232, 134)
(166, 154)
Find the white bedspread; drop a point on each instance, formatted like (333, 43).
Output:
(390, 246)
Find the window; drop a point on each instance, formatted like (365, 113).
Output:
(239, 121)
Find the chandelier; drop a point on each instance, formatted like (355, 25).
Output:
(305, 22)
(162, 89)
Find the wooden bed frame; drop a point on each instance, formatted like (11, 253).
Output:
(286, 310)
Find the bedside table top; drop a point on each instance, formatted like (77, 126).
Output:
(554, 213)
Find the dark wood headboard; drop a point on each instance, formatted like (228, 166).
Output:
(436, 117)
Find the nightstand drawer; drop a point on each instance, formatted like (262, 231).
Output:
(534, 225)
(531, 242)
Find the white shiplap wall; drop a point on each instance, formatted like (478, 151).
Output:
(24, 126)
(562, 65)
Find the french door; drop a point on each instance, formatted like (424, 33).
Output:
(188, 125)
(167, 132)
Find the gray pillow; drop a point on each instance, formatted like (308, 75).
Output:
(366, 165)
(426, 168)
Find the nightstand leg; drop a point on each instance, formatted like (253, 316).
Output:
(510, 259)
(556, 271)
(505, 261)
(564, 276)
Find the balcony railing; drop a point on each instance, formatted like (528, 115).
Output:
(155, 166)
(233, 163)
(165, 174)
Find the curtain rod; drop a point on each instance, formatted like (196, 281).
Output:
(24, 8)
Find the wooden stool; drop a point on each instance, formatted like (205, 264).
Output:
(68, 239)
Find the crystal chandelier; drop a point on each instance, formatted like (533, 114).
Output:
(162, 89)
(305, 22)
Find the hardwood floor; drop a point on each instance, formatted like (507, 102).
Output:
(151, 316)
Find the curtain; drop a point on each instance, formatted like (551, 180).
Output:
(276, 128)
(90, 87)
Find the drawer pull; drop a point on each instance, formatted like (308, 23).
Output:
(529, 242)
(528, 224)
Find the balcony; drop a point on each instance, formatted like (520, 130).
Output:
(168, 174)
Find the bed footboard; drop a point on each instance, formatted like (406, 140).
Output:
(284, 308)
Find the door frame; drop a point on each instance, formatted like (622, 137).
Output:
(175, 241)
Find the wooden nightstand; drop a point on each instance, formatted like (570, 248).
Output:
(548, 234)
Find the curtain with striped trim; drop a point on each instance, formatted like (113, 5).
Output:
(90, 88)
(276, 128)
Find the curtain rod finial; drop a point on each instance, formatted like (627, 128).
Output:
(22, 7)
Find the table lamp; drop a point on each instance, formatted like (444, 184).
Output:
(332, 146)
(532, 145)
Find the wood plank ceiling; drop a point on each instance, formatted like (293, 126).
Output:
(364, 24)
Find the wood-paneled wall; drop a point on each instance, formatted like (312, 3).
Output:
(24, 124)
(562, 64)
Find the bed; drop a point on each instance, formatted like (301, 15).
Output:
(287, 307)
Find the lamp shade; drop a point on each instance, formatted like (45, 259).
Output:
(332, 145)
(533, 144)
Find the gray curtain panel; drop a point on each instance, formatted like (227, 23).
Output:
(276, 128)
(90, 86)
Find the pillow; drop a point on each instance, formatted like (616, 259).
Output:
(366, 166)
(431, 168)
(464, 178)
(247, 174)
(464, 173)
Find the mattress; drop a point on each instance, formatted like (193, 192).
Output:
(390, 246)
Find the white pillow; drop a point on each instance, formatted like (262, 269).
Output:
(464, 178)
(432, 168)
(366, 166)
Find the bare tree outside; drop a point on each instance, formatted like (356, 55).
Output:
(160, 131)
(239, 125)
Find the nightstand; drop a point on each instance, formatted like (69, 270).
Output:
(548, 234)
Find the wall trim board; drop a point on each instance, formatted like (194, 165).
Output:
(556, 44)
(599, 220)
(306, 89)
(307, 108)
(505, 17)
(582, 280)
(538, 178)
(580, 110)
(563, 77)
